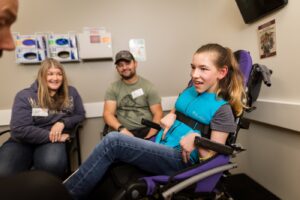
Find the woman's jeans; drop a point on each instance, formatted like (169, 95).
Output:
(16, 157)
(144, 154)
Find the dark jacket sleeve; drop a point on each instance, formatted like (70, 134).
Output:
(78, 114)
(22, 125)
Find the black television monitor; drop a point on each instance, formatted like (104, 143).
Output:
(252, 10)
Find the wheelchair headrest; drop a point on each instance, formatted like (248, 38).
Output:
(245, 62)
(254, 75)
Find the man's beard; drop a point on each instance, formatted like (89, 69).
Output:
(131, 75)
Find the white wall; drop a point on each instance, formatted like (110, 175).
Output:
(165, 26)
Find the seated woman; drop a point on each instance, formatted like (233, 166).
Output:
(42, 115)
(217, 87)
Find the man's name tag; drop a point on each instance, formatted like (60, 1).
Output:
(137, 93)
(39, 112)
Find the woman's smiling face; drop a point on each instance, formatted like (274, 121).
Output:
(54, 79)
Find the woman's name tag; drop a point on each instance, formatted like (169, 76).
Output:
(39, 112)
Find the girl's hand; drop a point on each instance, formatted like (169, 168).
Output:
(187, 146)
(166, 122)
(56, 131)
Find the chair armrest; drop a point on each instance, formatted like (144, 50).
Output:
(5, 131)
(74, 131)
(105, 131)
(150, 124)
(217, 147)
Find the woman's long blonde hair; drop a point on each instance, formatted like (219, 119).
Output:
(61, 98)
(231, 87)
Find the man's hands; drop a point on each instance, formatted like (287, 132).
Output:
(125, 131)
(56, 134)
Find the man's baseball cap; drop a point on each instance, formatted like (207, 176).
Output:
(124, 55)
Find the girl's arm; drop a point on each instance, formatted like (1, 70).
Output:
(187, 145)
(216, 136)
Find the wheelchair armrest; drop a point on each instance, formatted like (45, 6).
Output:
(150, 124)
(5, 131)
(217, 147)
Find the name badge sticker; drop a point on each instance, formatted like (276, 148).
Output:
(39, 112)
(137, 93)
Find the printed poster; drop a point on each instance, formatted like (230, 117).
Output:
(267, 39)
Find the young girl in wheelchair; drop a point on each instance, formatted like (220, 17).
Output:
(215, 98)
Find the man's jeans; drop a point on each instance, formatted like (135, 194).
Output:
(16, 157)
(144, 154)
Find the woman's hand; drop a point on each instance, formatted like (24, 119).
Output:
(166, 122)
(56, 131)
(64, 137)
(187, 146)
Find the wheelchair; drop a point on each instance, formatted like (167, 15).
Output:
(201, 181)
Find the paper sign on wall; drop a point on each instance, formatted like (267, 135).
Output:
(138, 49)
(95, 43)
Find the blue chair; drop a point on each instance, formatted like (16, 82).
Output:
(202, 180)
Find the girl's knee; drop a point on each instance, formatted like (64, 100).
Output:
(112, 136)
(109, 142)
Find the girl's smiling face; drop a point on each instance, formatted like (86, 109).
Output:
(205, 74)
